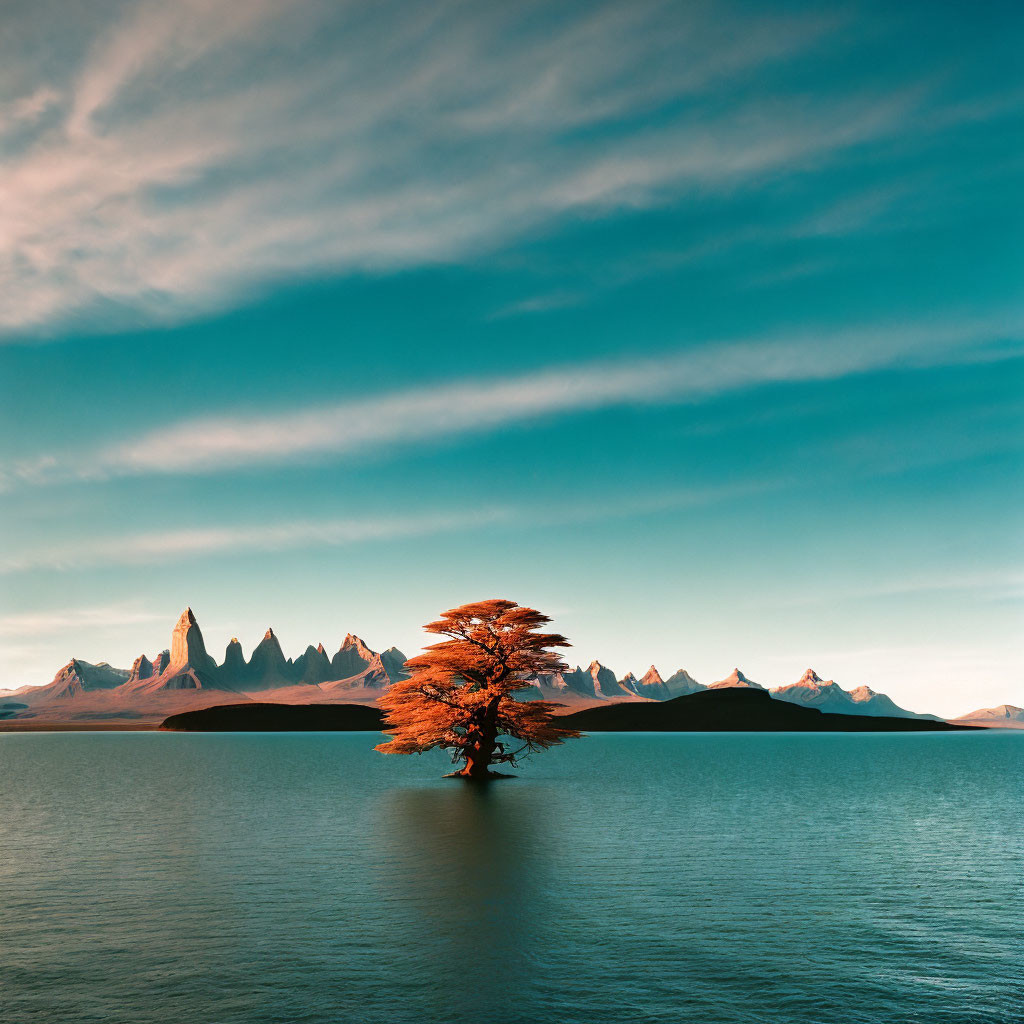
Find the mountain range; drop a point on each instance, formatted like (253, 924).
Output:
(185, 676)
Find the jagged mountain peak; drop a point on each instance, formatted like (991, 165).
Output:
(735, 678)
(354, 643)
(393, 661)
(234, 659)
(353, 658)
(863, 693)
(269, 643)
(79, 676)
(186, 621)
(604, 680)
(355, 647)
(651, 686)
(312, 666)
(187, 646)
(681, 683)
(142, 668)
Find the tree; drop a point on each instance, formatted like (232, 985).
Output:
(460, 693)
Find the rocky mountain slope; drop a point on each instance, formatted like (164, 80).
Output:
(1005, 716)
(736, 678)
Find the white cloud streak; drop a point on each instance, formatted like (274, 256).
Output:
(43, 623)
(160, 546)
(992, 585)
(416, 416)
(201, 148)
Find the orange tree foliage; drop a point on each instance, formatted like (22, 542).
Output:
(460, 694)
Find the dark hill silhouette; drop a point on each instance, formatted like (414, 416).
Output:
(725, 710)
(255, 717)
(736, 709)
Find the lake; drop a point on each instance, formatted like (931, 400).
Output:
(797, 879)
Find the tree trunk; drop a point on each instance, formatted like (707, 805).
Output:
(483, 739)
(475, 768)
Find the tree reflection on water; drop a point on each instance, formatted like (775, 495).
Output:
(461, 874)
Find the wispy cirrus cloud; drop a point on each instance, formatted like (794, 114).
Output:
(990, 585)
(159, 546)
(182, 154)
(153, 547)
(104, 617)
(445, 411)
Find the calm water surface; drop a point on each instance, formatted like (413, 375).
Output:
(669, 878)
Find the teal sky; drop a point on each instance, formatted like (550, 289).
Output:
(697, 326)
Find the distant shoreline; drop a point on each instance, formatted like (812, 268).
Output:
(736, 710)
(23, 725)
(101, 727)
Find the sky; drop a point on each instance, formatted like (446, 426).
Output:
(697, 326)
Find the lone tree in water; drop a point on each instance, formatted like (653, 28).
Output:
(460, 694)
